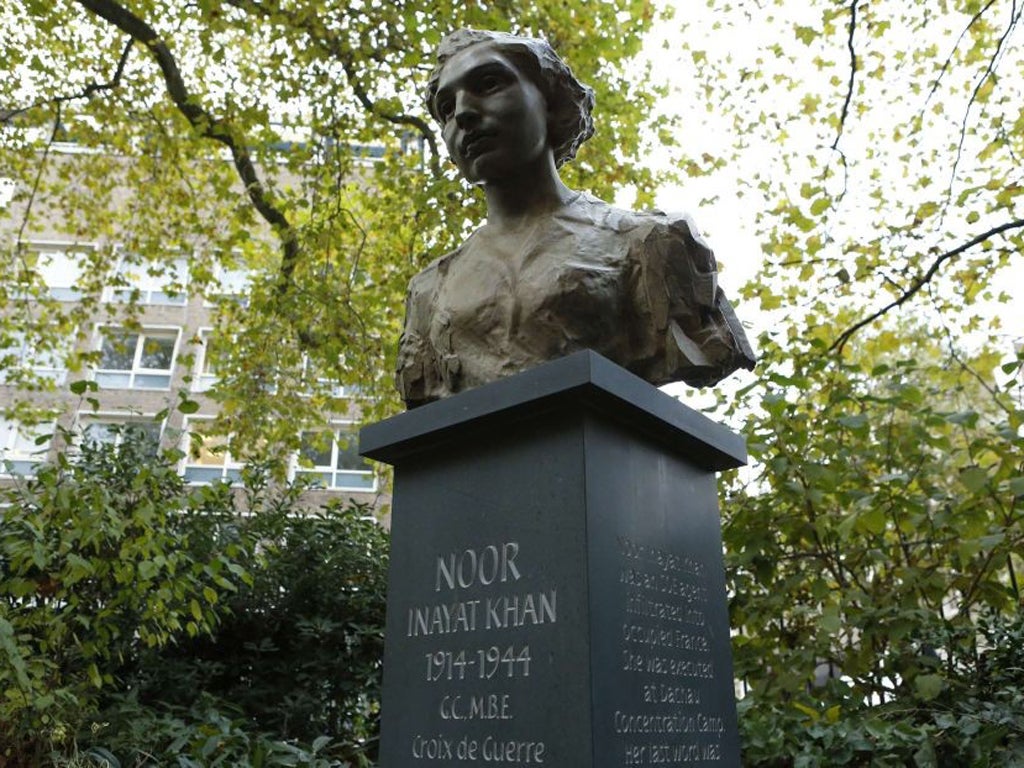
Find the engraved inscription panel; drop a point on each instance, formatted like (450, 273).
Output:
(667, 655)
(478, 641)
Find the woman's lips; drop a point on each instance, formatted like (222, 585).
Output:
(477, 143)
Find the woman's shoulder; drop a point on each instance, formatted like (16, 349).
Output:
(592, 210)
(430, 276)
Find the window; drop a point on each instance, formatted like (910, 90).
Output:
(98, 430)
(58, 267)
(23, 447)
(231, 284)
(207, 459)
(151, 283)
(332, 460)
(19, 352)
(136, 360)
(206, 362)
(61, 270)
(328, 383)
(7, 188)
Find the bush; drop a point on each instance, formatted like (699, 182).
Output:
(968, 712)
(144, 622)
(299, 654)
(96, 567)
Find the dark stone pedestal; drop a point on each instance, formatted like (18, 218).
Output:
(556, 594)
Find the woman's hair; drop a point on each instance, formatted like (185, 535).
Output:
(569, 101)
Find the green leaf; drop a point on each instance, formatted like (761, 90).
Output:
(974, 478)
(811, 712)
(830, 620)
(82, 386)
(928, 686)
(1016, 486)
(94, 676)
(188, 406)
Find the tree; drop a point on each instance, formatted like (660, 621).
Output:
(878, 550)
(290, 658)
(288, 136)
(878, 145)
(874, 549)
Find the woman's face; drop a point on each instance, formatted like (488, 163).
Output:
(494, 119)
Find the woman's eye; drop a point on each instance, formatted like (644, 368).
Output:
(490, 83)
(444, 109)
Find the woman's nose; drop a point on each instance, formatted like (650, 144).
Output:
(467, 110)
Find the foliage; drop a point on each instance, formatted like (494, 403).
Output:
(974, 721)
(879, 146)
(880, 525)
(96, 567)
(204, 734)
(145, 622)
(264, 124)
(879, 548)
(299, 654)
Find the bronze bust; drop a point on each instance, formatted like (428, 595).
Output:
(552, 271)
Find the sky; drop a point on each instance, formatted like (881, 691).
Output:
(727, 217)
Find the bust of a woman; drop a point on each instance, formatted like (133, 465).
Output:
(552, 271)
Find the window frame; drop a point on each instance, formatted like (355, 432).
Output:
(203, 379)
(40, 250)
(85, 419)
(136, 371)
(216, 292)
(337, 474)
(138, 278)
(22, 463)
(229, 469)
(26, 358)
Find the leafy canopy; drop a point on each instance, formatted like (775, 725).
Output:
(286, 136)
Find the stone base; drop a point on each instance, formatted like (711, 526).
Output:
(556, 592)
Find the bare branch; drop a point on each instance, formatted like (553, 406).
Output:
(207, 125)
(401, 119)
(20, 241)
(949, 59)
(989, 72)
(853, 75)
(94, 87)
(344, 56)
(923, 280)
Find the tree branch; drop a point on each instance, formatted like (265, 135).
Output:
(989, 72)
(949, 59)
(344, 56)
(853, 75)
(8, 116)
(20, 241)
(209, 126)
(922, 281)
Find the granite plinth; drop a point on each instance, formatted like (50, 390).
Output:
(556, 592)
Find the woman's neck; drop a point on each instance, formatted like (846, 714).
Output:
(513, 202)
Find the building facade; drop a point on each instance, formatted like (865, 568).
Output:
(149, 343)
